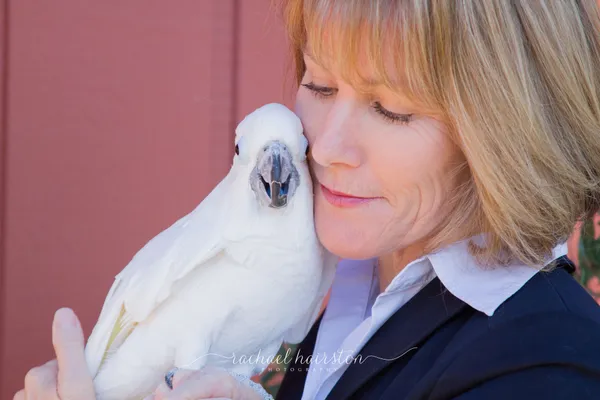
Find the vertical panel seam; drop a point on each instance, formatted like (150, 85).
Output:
(223, 82)
(235, 57)
(3, 175)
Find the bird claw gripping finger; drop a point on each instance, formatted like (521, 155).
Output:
(169, 377)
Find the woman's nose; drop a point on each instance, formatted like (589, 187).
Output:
(336, 143)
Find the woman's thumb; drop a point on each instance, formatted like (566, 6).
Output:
(74, 380)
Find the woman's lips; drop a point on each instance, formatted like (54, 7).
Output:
(344, 200)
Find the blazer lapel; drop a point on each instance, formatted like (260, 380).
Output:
(404, 330)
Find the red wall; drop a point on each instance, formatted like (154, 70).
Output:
(118, 118)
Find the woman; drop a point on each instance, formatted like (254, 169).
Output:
(454, 144)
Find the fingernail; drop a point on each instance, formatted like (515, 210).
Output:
(65, 318)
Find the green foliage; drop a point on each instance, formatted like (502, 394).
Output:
(589, 253)
(272, 376)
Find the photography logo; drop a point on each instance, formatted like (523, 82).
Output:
(278, 362)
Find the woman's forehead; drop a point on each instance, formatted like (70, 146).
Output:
(371, 50)
(361, 69)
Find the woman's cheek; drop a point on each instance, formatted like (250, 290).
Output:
(325, 225)
(312, 113)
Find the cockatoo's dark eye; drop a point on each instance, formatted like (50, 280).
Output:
(237, 149)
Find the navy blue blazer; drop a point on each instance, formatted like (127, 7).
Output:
(541, 343)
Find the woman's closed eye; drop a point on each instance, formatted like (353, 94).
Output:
(323, 92)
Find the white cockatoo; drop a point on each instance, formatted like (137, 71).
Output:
(227, 283)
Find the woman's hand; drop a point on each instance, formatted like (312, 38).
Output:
(207, 383)
(67, 376)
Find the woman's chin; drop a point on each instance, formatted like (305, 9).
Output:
(343, 240)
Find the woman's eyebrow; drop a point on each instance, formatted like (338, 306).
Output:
(310, 57)
(367, 84)
(314, 61)
(307, 52)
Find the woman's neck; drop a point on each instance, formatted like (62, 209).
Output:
(391, 264)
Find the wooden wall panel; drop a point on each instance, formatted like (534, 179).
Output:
(264, 73)
(120, 121)
(3, 95)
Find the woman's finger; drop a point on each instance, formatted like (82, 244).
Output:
(204, 386)
(20, 395)
(40, 382)
(206, 383)
(68, 342)
(73, 381)
(179, 376)
(42, 376)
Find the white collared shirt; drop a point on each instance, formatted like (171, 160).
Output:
(356, 309)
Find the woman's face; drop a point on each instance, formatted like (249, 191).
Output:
(381, 175)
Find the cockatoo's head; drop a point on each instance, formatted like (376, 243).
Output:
(270, 143)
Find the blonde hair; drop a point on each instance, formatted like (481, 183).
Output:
(517, 83)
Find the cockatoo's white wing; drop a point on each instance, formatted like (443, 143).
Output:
(299, 331)
(148, 278)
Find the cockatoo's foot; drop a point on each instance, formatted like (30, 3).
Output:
(169, 377)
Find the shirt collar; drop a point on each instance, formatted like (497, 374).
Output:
(483, 288)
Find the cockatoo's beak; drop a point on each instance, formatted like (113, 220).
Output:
(279, 180)
(275, 172)
(274, 178)
(278, 189)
